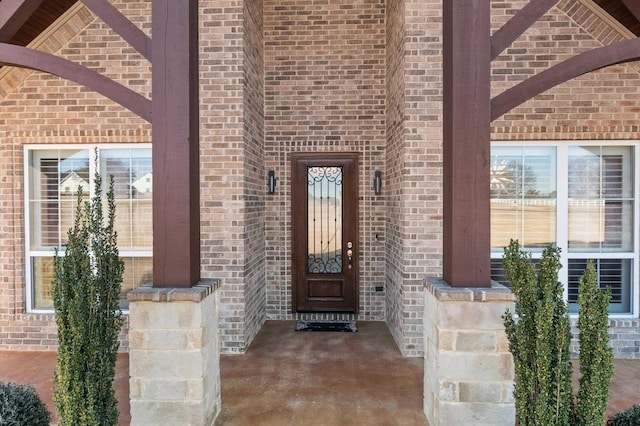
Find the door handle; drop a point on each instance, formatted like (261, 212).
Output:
(349, 255)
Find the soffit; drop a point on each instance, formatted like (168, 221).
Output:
(40, 20)
(619, 12)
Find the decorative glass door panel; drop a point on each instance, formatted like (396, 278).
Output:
(324, 237)
(324, 194)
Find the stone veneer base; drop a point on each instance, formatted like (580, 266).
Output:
(468, 371)
(174, 355)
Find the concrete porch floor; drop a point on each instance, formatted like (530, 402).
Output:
(321, 378)
(307, 378)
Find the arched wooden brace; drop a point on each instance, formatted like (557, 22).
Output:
(121, 25)
(624, 51)
(41, 61)
(518, 24)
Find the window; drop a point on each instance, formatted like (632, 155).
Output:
(580, 196)
(52, 180)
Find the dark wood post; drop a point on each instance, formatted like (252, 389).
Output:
(466, 142)
(175, 116)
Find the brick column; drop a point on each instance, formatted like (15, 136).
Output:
(468, 370)
(174, 356)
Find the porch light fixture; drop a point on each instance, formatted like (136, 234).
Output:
(377, 182)
(271, 181)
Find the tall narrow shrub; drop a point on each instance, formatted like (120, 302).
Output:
(87, 285)
(539, 338)
(596, 357)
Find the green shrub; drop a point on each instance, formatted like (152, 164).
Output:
(539, 337)
(630, 417)
(596, 357)
(86, 299)
(20, 405)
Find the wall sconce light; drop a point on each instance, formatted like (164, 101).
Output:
(271, 181)
(377, 182)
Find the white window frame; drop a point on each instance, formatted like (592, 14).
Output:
(31, 254)
(562, 176)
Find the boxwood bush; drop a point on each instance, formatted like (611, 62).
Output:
(20, 405)
(86, 297)
(630, 417)
(539, 336)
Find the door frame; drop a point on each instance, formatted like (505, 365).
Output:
(296, 198)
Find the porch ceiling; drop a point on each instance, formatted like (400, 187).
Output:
(48, 11)
(619, 11)
(36, 18)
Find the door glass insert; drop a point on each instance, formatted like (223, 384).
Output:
(324, 198)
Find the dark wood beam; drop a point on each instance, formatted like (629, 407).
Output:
(518, 24)
(13, 14)
(466, 143)
(41, 61)
(121, 25)
(176, 206)
(623, 51)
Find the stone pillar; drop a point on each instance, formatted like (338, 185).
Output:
(174, 356)
(468, 370)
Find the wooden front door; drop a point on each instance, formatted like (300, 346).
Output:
(325, 232)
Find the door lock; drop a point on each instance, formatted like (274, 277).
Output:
(350, 255)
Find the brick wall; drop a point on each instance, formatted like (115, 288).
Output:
(602, 105)
(324, 91)
(222, 163)
(624, 337)
(395, 171)
(48, 109)
(341, 76)
(20, 330)
(414, 161)
(38, 108)
(254, 170)
(599, 105)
